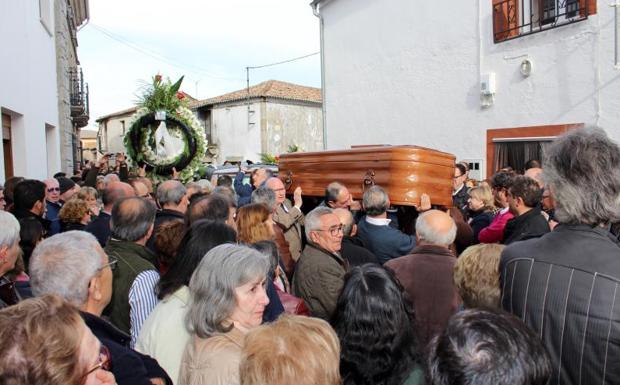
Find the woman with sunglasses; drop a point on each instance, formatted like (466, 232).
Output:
(45, 342)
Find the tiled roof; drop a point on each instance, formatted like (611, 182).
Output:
(269, 89)
(130, 111)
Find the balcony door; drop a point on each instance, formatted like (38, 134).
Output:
(7, 146)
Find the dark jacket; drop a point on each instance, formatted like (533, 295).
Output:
(69, 226)
(426, 276)
(528, 225)
(133, 259)
(479, 220)
(243, 191)
(564, 285)
(51, 214)
(23, 214)
(459, 200)
(355, 254)
(385, 242)
(274, 308)
(161, 217)
(318, 280)
(100, 228)
(128, 366)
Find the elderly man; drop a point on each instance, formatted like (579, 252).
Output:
(135, 277)
(53, 204)
(100, 226)
(319, 275)
(172, 198)
(9, 252)
(287, 215)
(73, 266)
(353, 249)
(426, 274)
(68, 189)
(375, 231)
(216, 207)
(487, 347)
(244, 191)
(524, 197)
(338, 196)
(576, 266)
(267, 197)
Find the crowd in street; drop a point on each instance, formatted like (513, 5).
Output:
(106, 278)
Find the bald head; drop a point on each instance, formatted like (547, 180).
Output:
(536, 174)
(114, 192)
(435, 227)
(346, 219)
(132, 219)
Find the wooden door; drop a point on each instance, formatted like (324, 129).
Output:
(6, 145)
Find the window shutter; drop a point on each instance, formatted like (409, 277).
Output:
(591, 5)
(505, 19)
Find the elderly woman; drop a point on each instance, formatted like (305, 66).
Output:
(45, 342)
(90, 195)
(74, 215)
(481, 209)
(476, 275)
(254, 223)
(375, 325)
(9, 253)
(163, 335)
(227, 300)
(292, 350)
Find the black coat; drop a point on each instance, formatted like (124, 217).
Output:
(532, 224)
(565, 286)
(100, 228)
(355, 253)
(479, 220)
(128, 366)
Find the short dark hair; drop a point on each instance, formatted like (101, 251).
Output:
(532, 163)
(375, 324)
(486, 347)
(461, 168)
(502, 179)
(214, 207)
(131, 218)
(332, 191)
(201, 237)
(527, 189)
(27, 193)
(224, 181)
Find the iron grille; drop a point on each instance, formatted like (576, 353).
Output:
(514, 18)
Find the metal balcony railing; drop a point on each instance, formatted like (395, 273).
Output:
(78, 95)
(515, 18)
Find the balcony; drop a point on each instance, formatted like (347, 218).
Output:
(78, 98)
(515, 18)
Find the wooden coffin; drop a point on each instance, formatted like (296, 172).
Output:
(405, 172)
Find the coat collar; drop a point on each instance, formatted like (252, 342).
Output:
(433, 249)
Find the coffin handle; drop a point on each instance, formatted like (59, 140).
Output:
(369, 180)
(288, 179)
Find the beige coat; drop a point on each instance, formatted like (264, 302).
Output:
(290, 223)
(212, 361)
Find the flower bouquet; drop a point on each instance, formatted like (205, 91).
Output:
(164, 134)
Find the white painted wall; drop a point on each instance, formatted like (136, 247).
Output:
(286, 124)
(408, 72)
(232, 134)
(113, 142)
(28, 89)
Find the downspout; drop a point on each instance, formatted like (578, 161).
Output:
(315, 11)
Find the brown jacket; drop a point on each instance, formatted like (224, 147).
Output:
(290, 223)
(212, 361)
(283, 250)
(426, 276)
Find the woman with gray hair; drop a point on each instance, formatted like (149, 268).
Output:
(9, 252)
(227, 300)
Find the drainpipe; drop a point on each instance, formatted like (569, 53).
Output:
(617, 34)
(315, 11)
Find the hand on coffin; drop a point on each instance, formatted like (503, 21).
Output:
(425, 203)
(297, 201)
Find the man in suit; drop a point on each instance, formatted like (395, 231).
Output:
(288, 215)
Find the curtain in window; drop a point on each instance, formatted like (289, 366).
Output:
(516, 154)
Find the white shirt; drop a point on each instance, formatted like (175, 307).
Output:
(378, 221)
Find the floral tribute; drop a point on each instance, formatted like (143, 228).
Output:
(164, 134)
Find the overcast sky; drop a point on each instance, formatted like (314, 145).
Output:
(209, 41)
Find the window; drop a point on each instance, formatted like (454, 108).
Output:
(514, 18)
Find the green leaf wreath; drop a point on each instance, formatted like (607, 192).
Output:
(146, 140)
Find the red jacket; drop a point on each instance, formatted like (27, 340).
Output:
(494, 233)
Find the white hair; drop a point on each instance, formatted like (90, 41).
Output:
(64, 264)
(312, 222)
(10, 229)
(430, 235)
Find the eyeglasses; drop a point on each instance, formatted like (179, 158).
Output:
(457, 176)
(105, 361)
(53, 189)
(333, 231)
(112, 263)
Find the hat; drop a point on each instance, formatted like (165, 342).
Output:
(65, 184)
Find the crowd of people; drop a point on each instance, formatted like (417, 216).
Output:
(106, 278)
